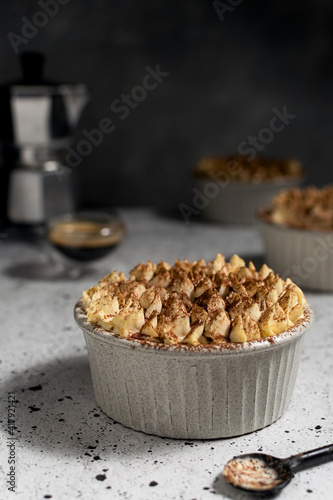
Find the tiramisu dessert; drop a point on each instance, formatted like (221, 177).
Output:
(241, 168)
(308, 208)
(195, 303)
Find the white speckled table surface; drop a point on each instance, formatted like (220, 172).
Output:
(63, 444)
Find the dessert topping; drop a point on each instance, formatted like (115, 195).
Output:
(195, 303)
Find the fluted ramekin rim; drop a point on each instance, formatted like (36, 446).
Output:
(183, 349)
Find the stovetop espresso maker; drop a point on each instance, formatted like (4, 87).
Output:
(37, 121)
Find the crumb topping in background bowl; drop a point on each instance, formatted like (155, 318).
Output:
(240, 168)
(309, 208)
(195, 303)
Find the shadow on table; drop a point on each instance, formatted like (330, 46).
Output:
(188, 217)
(56, 413)
(221, 487)
(38, 270)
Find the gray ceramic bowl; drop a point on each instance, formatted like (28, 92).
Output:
(305, 256)
(183, 392)
(238, 202)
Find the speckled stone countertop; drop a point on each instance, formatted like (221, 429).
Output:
(63, 444)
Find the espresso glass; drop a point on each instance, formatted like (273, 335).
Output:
(76, 240)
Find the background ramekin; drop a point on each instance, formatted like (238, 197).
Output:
(303, 255)
(183, 392)
(238, 202)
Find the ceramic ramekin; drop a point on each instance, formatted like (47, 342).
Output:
(236, 202)
(183, 392)
(303, 255)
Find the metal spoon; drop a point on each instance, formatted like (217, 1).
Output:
(260, 473)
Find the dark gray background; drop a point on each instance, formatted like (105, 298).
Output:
(225, 79)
